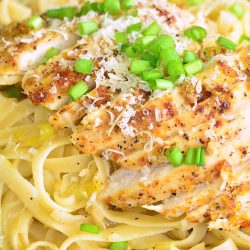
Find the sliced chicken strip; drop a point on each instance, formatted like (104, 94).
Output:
(116, 71)
(193, 191)
(72, 113)
(22, 48)
(202, 129)
(152, 185)
(48, 85)
(141, 120)
(123, 109)
(229, 211)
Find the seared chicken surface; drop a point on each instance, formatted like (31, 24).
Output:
(22, 48)
(122, 119)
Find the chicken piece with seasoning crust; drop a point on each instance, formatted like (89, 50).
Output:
(113, 68)
(142, 137)
(23, 48)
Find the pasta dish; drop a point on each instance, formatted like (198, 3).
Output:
(125, 125)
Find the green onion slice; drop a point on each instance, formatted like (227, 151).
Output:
(196, 33)
(123, 245)
(84, 66)
(152, 75)
(164, 84)
(90, 228)
(61, 13)
(194, 2)
(127, 4)
(198, 156)
(163, 42)
(175, 156)
(152, 30)
(77, 91)
(189, 56)
(113, 7)
(175, 70)
(49, 54)
(193, 67)
(202, 161)
(88, 27)
(226, 43)
(124, 47)
(134, 27)
(149, 57)
(145, 41)
(13, 92)
(121, 37)
(97, 7)
(35, 22)
(168, 55)
(133, 51)
(86, 8)
(190, 158)
(139, 66)
(237, 10)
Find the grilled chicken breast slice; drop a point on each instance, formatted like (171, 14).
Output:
(70, 114)
(169, 120)
(39, 91)
(187, 190)
(22, 48)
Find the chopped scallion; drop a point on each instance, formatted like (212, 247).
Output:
(193, 67)
(202, 161)
(237, 10)
(175, 69)
(152, 75)
(127, 4)
(133, 51)
(90, 228)
(97, 7)
(145, 41)
(61, 13)
(88, 27)
(169, 54)
(49, 54)
(190, 158)
(124, 47)
(35, 22)
(84, 66)
(149, 57)
(194, 2)
(139, 66)
(123, 245)
(86, 8)
(226, 43)
(152, 30)
(196, 33)
(175, 156)
(134, 27)
(13, 92)
(189, 56)
(77, 91)
(164, 84)
(163, 42)
(121, 37)
(113, 7)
